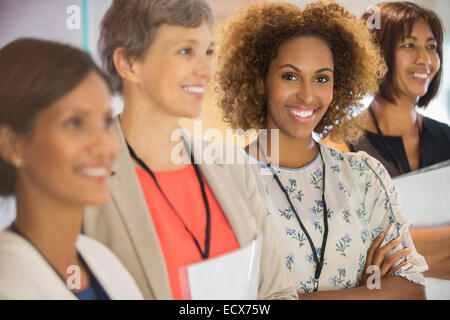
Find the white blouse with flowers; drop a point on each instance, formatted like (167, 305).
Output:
(361, 202)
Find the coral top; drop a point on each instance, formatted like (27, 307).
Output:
(183, 190)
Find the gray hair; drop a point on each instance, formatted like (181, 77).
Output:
(132, 24)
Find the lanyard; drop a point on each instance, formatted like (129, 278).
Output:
(204, 254)
(319, 263)
(389, 150)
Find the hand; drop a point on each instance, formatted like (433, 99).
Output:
(375, 257)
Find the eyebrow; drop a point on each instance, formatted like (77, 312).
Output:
(298, 70)
(212, 44)
(82, 111)
(414, 38)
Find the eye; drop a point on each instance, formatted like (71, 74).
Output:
(432, 47)
(186, 51)
(322, 79)
(210, 52)
(289, 76)
(73, 123)
(408, 45)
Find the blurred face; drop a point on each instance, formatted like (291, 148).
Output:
(416, 61)
(70, 150)
(299, 86)
(176, 69)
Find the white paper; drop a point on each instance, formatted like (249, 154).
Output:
(233, 276)
(425, 198)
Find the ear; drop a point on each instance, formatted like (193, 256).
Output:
(11, 146)
(125, 66)
(260, 88)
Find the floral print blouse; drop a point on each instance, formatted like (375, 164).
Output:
(361, 202)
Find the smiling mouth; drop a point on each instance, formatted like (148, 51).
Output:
(194, 89)
(302, 116)
(98, 173)
(419, 75)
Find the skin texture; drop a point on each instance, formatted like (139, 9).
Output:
(154, 90)
(300, 80)
(51, 191)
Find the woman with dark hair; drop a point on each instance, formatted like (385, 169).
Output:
(166, 215)
(57, 147)
(410, 38)
(335, 215)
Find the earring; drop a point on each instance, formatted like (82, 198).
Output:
(18, 162)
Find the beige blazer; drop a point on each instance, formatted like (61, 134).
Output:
(26, 275)
(124, 224)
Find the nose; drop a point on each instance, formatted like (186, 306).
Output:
(204, 68)
(305, 93)
(103, 144)
(423, 57)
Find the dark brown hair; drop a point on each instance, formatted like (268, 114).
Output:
(34, 75)
(397, 20)
(132, 24)
(250, 40)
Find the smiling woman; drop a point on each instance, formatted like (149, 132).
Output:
(166, 216)
(56, 153)
(335, 214)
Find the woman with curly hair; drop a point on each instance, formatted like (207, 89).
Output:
(164, 214)
(299, 72)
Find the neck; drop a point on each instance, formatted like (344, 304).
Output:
(148, 130)
(52, 226)
(397, 119)
(293, 152)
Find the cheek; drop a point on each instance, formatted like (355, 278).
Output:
(435, 62)
(49, 156)
(278, 95)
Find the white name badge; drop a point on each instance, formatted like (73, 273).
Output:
(233, 276)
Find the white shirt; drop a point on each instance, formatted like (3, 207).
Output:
(361, 203)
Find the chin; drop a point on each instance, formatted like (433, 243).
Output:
(96, 200)
(192, 114)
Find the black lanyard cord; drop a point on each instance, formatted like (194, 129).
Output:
(319, 263)
(386, 145)
(204, 254)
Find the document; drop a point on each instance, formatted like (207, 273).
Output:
(233, 276)
(425, 198)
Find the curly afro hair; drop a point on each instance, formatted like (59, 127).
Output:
(250, 40)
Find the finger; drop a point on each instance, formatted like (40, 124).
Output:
(393, 259)
(396, 268)
(375, 245)
(381, 252)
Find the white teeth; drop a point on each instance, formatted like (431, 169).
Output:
(94, 172)
(420, 75)
(194, 89)
(301, 114)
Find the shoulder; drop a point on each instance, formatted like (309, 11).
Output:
(436, 127)
(109, 271)
(354, 164)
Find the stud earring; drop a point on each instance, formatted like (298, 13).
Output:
(18, 162)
